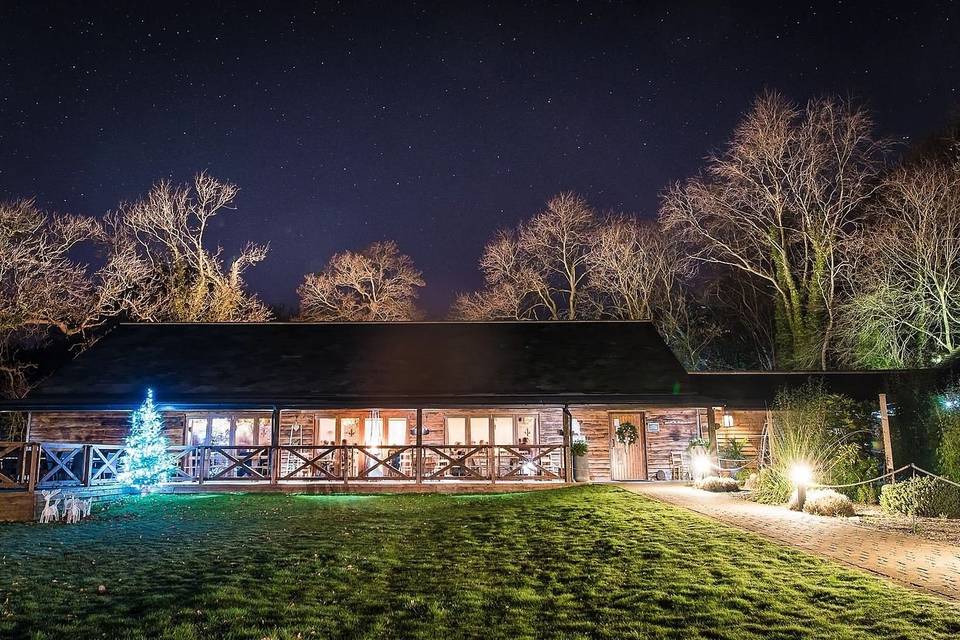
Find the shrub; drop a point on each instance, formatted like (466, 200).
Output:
(718, 485)
(827, 502)
(923, 497)
(750, 483)
(849, 466)
(947, 415)
(578, 448)
(743, 475)
(733, 449)
(772, 487)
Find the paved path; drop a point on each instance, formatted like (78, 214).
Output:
(929, 565)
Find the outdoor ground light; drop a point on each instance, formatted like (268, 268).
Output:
(801, 475)
(701, 465)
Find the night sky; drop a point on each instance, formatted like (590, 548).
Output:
(430, 124)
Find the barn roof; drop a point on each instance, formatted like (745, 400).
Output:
(306, 364)
(403, 364)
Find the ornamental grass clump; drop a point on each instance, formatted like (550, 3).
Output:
(924, 497)
(827, 502)
(718, 485)
(771, 487)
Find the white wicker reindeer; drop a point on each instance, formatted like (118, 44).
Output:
(72, 509)
(51, 512)
(87, 505)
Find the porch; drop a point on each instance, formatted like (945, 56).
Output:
(32, 466)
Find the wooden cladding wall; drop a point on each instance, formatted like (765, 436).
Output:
(747, 427)
(110, 427)
(675, 429)
(595, 427)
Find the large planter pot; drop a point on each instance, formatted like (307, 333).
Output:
(581, 469)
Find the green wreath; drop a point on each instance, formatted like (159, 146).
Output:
(627, 433)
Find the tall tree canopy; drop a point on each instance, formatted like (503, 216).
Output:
(779, 204)
(905, 305)
(568, 263)
(537, 271)
(160, 244)
(377, 283)
(45, 290)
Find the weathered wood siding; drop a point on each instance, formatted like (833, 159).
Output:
(595, 426)
(747, 426)
(677, 427)
(109, 427)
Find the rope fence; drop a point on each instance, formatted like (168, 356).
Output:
(889, 474)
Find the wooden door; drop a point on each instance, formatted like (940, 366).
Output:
(627, 462)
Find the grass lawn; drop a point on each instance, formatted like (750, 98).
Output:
(572, 563)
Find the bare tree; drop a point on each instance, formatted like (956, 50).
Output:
(167, 271)
(906, 306)
(779, 203)
(539, 270)
(377, 283)
(638, 272)
(45, 291)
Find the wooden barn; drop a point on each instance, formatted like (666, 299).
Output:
(423, 405)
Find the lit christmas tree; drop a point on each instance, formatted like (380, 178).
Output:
(146, 462)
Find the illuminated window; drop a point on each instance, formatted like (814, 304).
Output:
(479, 430)
(456, 430)
(265, 431)
(527, 428)
(196, 431)
(244, 432)
(503, 430)
(326, 430)
(396, 431)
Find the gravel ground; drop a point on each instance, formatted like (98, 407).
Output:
(870, 515)
(939, 529)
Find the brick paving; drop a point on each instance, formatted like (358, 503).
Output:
(925, 564)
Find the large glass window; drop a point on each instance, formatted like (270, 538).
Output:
(456, 430)
(220, 432)
(373, 432)
(265, 431)
(396, 431)
(350, 430)
(503, 430)
(196, 431)
(243, 436)
(527, 429)
(479, 430)
(326, 431)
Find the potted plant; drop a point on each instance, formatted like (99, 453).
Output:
(581, 469)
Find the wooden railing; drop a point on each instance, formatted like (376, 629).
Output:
(18, 465)
(33, 465)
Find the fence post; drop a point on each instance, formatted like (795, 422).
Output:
(34, 466)
(567, 443)
(87, 465)
(274, 456)
(201, 464)
(887, 440)
(418, 460)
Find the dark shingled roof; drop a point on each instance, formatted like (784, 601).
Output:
(399, 363)
(408, 364)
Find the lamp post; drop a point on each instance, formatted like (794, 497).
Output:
(801, 475)
(701, 466)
